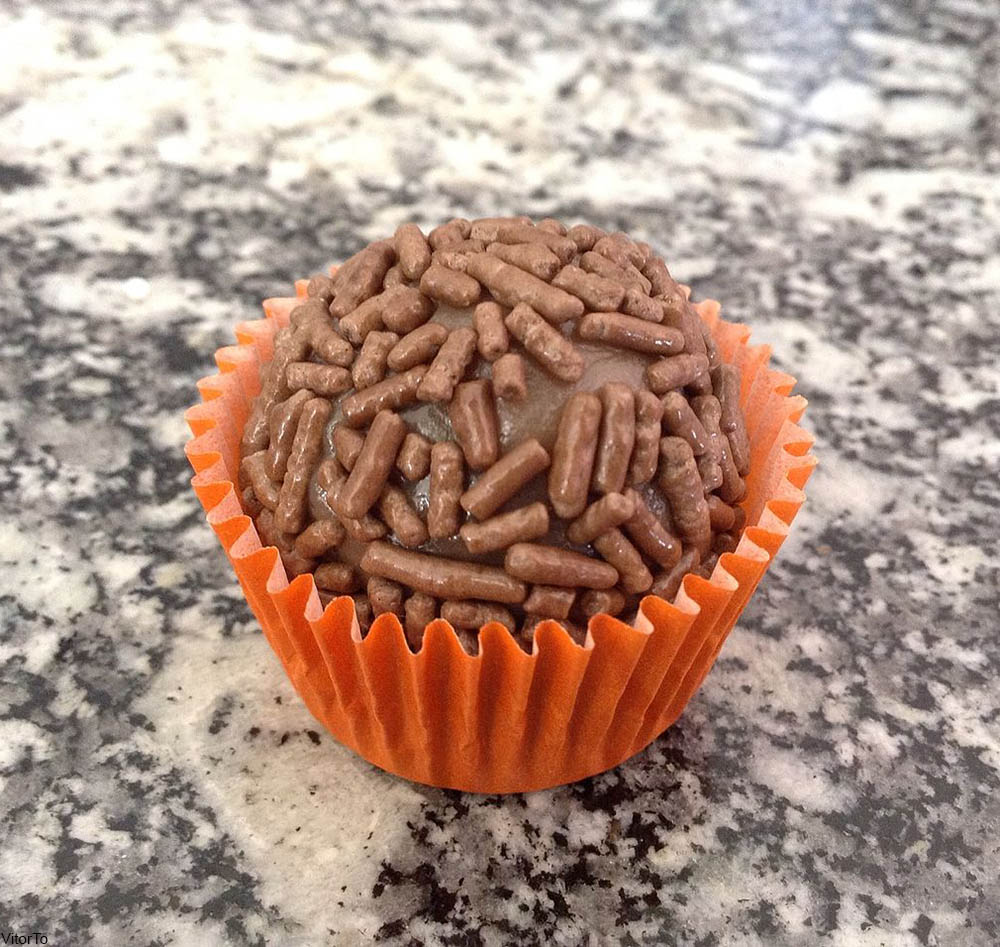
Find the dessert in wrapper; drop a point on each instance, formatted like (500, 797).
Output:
(466, 454)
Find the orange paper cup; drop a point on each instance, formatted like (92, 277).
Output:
(503, 720)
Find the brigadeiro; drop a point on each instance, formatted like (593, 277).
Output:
(499, 422)
(500, 430)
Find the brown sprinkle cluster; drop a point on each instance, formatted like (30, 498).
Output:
(639, 487)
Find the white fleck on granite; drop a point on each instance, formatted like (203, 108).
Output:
(831, 172)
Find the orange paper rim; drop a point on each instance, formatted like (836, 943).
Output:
(502, 720)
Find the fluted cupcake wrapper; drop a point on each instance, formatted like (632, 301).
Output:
(503, 720)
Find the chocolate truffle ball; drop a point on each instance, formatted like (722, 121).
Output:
(501, 421)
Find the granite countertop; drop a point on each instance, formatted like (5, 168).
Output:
(832, 176)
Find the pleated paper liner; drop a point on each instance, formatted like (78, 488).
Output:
(504, 720)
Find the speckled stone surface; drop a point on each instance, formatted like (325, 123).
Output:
(831, 176)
